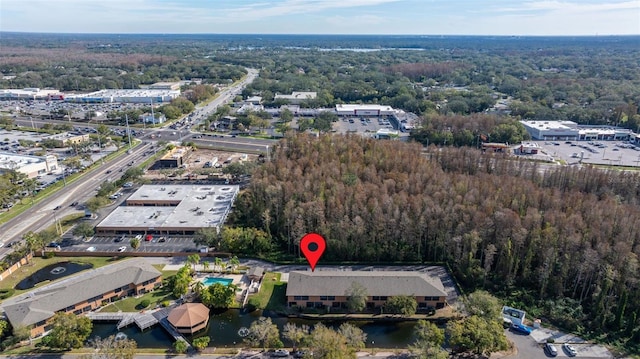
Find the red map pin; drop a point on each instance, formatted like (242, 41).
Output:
(312, 246)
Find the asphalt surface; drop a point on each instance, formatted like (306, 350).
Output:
(42, 214)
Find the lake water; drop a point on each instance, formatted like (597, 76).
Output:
(52, 272)
(225, 329)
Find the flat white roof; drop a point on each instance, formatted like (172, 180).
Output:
(352, 107)
(550, 125)
(127, 93)
(199, 206)
(298, 95)
(14, 161)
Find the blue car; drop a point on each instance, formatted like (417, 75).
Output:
(521, 328)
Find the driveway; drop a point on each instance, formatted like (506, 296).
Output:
(530, 346)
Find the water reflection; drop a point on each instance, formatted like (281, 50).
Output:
(226, 329)
(52, 272)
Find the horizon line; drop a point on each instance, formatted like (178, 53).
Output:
(310, 34)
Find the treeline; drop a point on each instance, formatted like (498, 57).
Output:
(458, 130)
(562, 234)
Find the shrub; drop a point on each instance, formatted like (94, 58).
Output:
(551, 340)
(49, 254)
(166, 303)
(6, 293)
(145, 303)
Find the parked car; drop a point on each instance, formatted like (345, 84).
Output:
(550, 349)
(122, 249)
(148, 238)
(280, 353)
(91, 249)
(521, 328)
(162, 239)
(302, 354)
(120, 239)
(569, 349)
(139, 236)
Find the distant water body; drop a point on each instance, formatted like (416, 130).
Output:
(357, 43)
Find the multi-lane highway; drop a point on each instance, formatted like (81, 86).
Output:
(43, 214)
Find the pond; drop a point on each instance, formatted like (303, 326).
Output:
(226, 329)
(52, 272)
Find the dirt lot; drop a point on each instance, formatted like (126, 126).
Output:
(200, 164)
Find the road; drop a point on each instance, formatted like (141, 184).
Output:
(42, 215)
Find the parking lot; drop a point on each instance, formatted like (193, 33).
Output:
(364, 124)
(41, 108)
(531, 346)
(612, 153)
(156, 244)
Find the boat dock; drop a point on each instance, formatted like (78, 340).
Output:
(143, 320)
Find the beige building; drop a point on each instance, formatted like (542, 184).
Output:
(323, 289)
(69, 138)
(81, 293)
(32, 166)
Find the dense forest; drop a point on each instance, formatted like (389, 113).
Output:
(589, 80)
(568, 236)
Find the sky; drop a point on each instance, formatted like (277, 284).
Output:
(410, 17)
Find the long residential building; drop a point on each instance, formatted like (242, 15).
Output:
(81, 293)
(322, 289)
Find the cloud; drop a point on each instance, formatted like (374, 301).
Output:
(295, 7)
(571, 7)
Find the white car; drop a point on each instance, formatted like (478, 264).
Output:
(139, 237)
(280, 353)
(91, 249)
(569, 349)
(122, 249)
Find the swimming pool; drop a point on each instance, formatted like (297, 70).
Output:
(212, 280)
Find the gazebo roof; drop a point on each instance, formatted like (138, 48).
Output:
(188, 315)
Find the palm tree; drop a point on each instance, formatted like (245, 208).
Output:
(217, 263)
(198, 287)
(235, 262)
(33, 241)
(193, 259)
(205, 264)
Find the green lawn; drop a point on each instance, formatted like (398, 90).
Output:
(38, 263)
(272, 294)
(156, 297)
(132, 304)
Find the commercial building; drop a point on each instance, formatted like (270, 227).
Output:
(171, 209)
(174, 86)
(364, 110)
(81, 293)
(552, 130)
(149, 96)
(322, 289)
(32, 166)
(386, 134)
(30, 93)
(68, 138)
(174, 158)
(153, 119)
(569, 130)
(296, 97)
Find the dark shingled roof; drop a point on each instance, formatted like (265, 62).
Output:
(377, 283)
(42, 304)
(255, 271)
